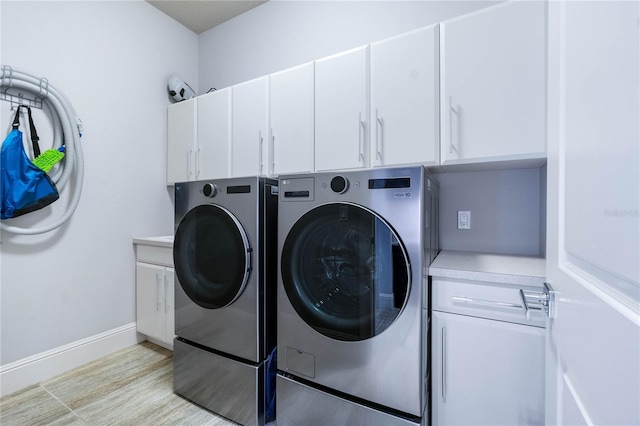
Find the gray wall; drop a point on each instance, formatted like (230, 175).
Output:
(506, 208)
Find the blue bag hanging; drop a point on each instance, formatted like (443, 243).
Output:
(25, 187)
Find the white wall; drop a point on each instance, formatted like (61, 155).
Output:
(280, 34)
(112, 60)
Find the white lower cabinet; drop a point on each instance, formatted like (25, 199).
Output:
(486, 371)
(155, 294)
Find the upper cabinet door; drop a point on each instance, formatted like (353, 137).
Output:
(342, 111)
(213, 152)
(404, 99)
(291, 109)
(181, 141)
(493, 84)
(250, 128)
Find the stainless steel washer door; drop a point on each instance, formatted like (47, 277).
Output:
(212, 256)
(345, 271)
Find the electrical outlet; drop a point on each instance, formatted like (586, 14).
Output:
(464, 219)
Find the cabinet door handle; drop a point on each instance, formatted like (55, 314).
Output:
(197, 161)
(260, 140)
(273, 153)
(378, 136)
(361, 125)
(189, 153)
(444, 365)
(452, 111)
(158, 284)
(167, 306)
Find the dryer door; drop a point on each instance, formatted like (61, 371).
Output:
(212, 256)
(345, 271)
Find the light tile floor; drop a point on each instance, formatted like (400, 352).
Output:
(133, 386)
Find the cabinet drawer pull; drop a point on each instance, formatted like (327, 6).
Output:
(482, 302)
(526, 306)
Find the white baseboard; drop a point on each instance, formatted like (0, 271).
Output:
(43, 366)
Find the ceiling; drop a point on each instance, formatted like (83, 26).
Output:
(201, 15)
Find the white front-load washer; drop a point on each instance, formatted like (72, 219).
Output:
(353, 296)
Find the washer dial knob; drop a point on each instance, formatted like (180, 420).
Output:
(339, 184)
(210, 190)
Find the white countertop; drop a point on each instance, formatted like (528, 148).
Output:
(164, 241)
(491, 267)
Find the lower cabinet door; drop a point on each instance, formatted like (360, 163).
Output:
(150, 300)
(486, 372)
(169, 310)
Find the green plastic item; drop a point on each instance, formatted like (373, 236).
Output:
(48, 159)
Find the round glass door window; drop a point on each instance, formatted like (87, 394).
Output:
(345, 271)
(211, 256)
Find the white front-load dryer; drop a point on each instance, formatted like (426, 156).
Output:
(225, 288)
(353, 297)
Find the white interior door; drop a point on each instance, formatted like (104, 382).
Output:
(593, 356)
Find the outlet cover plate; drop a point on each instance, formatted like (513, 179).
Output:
(464, 219)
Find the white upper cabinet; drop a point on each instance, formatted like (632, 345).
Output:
(291, 113)
(493, 84)
(181, 141)
(199, 137)
(212, 155)
(342, 111)
(250, 128)
(405, 99)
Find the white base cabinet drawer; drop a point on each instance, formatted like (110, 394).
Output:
(501, 302)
